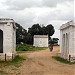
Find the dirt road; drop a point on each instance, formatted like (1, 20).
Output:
(42, 63)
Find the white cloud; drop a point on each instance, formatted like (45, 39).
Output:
(28, 12)
(22, 4)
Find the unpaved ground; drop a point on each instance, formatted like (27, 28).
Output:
(41, 63)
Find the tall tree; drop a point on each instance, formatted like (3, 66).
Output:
(35, 30)
(50, 30)
(20, 33)
(27, 37)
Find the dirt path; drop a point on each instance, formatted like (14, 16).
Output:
(42, 63)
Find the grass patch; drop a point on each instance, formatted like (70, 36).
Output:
(3, 73)
(62, 60)
(16, 61)
(25, 47)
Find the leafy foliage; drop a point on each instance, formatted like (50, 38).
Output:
(36, 29)
(20, 33)
(22, 36)
(50, 30)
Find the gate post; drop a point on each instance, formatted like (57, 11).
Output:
(5, 56)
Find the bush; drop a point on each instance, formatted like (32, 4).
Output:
(25, 47)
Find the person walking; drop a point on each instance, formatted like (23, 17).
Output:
(51, 45)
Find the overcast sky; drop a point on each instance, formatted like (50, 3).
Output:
(29, 12)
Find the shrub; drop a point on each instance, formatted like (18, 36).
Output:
(25, 47)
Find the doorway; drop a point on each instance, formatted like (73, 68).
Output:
(1, 41)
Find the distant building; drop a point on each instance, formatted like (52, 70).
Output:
(7, 37)
(67, 41)
(40, 40)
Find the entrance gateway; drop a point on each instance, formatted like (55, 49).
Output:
(67, 41)
(7, 37)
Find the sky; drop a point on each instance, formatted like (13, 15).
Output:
(29, 12)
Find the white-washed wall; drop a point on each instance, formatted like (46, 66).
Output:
(70, 31)
(71, 43)
(41, 42)
(8, 41)
(74, 43)
(61, 46)
(14, 31)
(9, 38)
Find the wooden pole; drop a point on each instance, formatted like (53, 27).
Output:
(5, 56)
(12, 57)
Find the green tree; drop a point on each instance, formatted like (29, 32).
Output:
(27, 37)
(35, 30)
(21, 33)
(50, 30)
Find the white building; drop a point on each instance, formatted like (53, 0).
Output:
(7, 37)
(67, 40)
(40, 40)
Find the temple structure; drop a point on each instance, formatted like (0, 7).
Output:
(67, 41)
(7, 37)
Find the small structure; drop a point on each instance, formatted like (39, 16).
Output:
(67, 41)
(7, 37)
(40, 40)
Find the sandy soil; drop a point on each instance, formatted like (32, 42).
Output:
(41, 63)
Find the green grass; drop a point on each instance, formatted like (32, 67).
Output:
(62, 60)
(26, 47)
(3, 73)
(16, 61)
